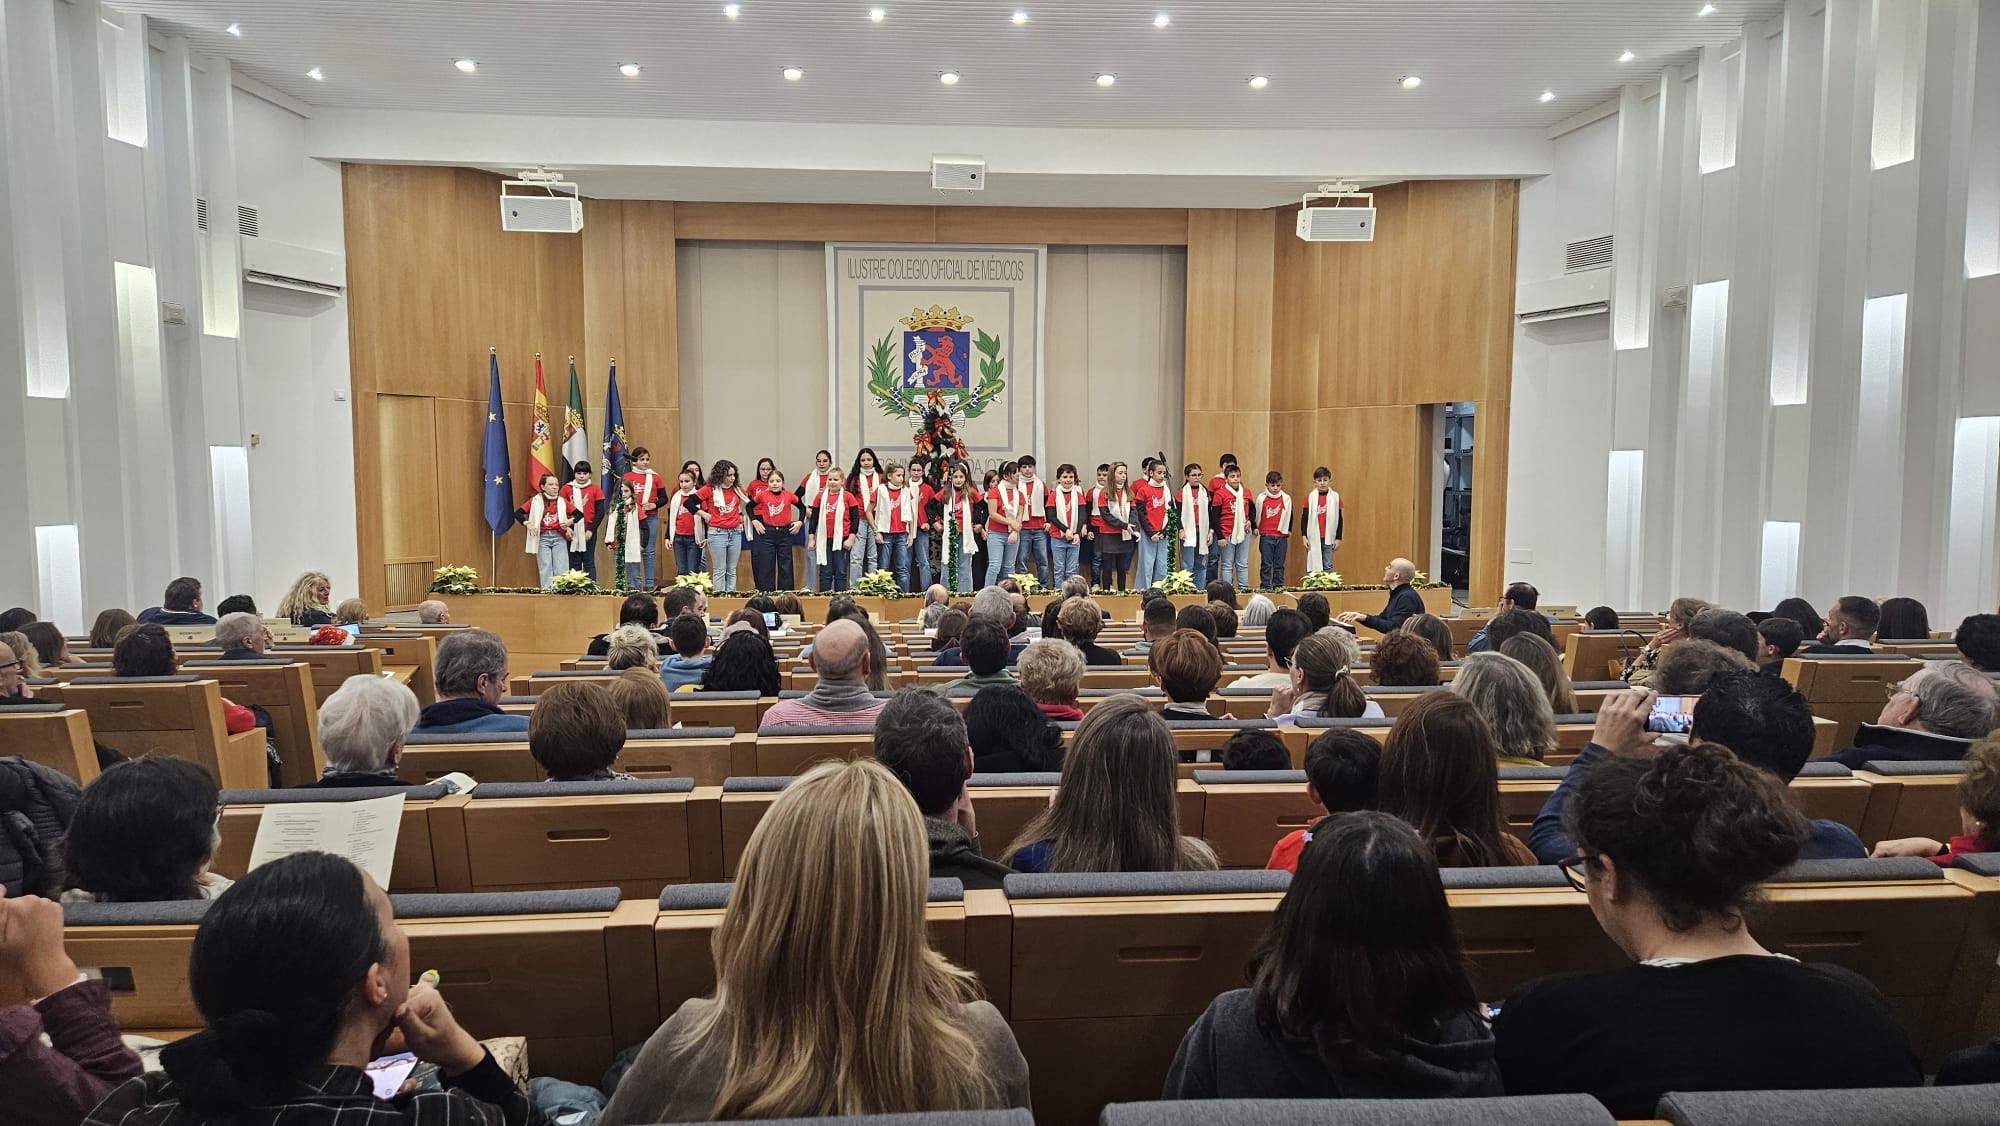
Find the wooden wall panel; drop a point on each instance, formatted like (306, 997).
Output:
(408, 425)
(1378, 453)
(1250, 351)
(1063, 226)
(787, 222)
(1211, 310)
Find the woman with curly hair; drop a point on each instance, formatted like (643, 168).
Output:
(306, 603)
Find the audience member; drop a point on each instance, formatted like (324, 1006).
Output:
(1512, 623)
(984, 651)
(14, 690)
(1932, 714)
(1404, 601)
(749, 619)
(1080, 620)
(305, 604)
(1282, 633)
(179, 606)
(689, 635)
(1433, 629)
(1687, 668)
(1219, 591)
(1639, 667)
(1357, 991)
(109, 624)
(744, 663)
(1440, 773)
(950, 628)
(1116, 810)
(242, 637)
(1404, 660)
(990, 604)
(1157, 620)
(1185, 667)
(788, 606)
(1542, 660)
(1600, 617)
(50, 646)
(1009, 734)
(936, 601)
(1671, 849)
(1018, 626)
(1313, 605)
(352, 612)
(62, 1053)
(879, 664)
(432, 612)
(471, 676)
(361, 731)
(1978, 641)
(1777, 639)
(1903, 619)
(145, 831)
(235, 604)
(576, 732)
(1978, 812)
(1342, 768)
(639, 698)
(1728, 629)
(840, 657)
(1850, 627)
(921, 738)
(1051, 617)
(1514, 705)
(632, 647)
(1225, 620)
(1257, 612)
(1518, 596)
(1076, 586)
(1198, 619)
(688, 600)
(1255, 750)
(829, 998)
(144, 650)
(1321, 685)
(301, 973)
(1051, 673)
(637, 610)
(12, 620)
(17, 643)
(1802, 612)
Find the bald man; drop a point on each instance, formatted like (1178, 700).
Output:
(840, 656)
(433, 613)
(1404, 601)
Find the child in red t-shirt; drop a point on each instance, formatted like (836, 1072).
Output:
(1274, 530)
(775, 515)
(1341, 768)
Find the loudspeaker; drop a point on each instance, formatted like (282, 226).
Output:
(958, 173)
(555, 215)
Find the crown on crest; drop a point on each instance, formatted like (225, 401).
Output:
(920, 319)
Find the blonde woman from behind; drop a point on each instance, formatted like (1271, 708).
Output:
(829, 999)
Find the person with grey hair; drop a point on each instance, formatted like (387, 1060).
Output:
(1934, 714)
(1076, 586)
(471, 677)
(431, 612)
(1404, 601)
(1510, 698)
(632, 647)
(242, 637)
(996, 605)
(1050, 672)
(841, 658)
(361, 729)
(936, 601)
(1257, 612)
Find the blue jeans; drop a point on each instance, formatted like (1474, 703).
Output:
(687, 557)
(1271, 560)
(551, 557)
(1232, 562)
(863, 558)
(1033, 554)
(965, 575)
(1195, 562)
(724, 546)
(649, 541)
(1325, 558)
(1000, 556)
(834, 573)
(920, 558)
(1153, 556)
(1065, 559)
(894, 556)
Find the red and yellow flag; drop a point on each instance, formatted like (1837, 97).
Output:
(541, 449)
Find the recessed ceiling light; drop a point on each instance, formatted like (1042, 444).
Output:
(732, 10)
(793, 74)
(466, 66)
(1548, 96)
(1706, 10)
(1020, 18)
(877, 15)
(629, 70)
(949, 78)
(235, 29)
(1162, 20)
(1106, 79)
(1411, 82)
(1258, 82)
(1627, 57)
(316, 75)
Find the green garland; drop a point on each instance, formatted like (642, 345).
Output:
(620, 508)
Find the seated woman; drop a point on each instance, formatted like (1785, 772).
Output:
(1639, 667)
(1433, 629)
(302, 976)
(1903, 619)
(53, 1082)
(1357, 991)
(1978, 812)
(950, 628)
(1671, 849)
(639, 699)
(51, 647)
(361, 729)
(1008, 733)
(1440, 773)
(16, 644)
(829, 1000)
(633, 647)
(1186, 666)
(1512, 703)
(743, 663)
(1257, 611)
(1600, 617)
(1543, 660)
(1050, 673)
(1080, 620)
(1404, 660)
(352, 612)
(145, 831)
(1116, 809)
(1321, 685)
(576, 733)
(109, 624)
(306, 603)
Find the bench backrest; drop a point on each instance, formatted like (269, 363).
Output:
(332, 664)
(286, 693)
(178, 716)
(57, 737)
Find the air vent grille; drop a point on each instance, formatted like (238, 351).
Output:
(1589, 254)
(201, 215)
(246, 221)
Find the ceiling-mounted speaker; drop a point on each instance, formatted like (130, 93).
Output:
(958, 173)
(541, 202)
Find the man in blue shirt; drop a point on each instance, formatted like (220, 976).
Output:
(1519, 596)
(180, 606)
(471, 677)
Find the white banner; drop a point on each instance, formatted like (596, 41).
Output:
(951, 329)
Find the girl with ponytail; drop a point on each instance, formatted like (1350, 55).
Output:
(303, 977)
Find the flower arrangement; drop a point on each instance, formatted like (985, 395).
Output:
(455, 580)
(1027, 581)
(878, 584)
(1419, 579)
(1321, 580)
(698, 580)
(1178, 582)
(573, 582)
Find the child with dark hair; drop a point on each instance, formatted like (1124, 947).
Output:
(1255, 750)
(1341, 768)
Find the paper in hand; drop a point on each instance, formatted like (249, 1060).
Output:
(362, 831)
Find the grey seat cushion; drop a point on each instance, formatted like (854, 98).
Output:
(1408, 690)
(1979, 863)
(1317, 722)
(1595, 685)
(184, 678)
(1088, 885)
(422, 738)
(828, 729)
(1519, 1110)
(1149, 692)
(357, 793)
(698, 697)
(1035, 778)
(448, 904)
(1922, 769)
(43, 708)
(251, 661)
(1825, 770)
(1533, 773)
(1223, 724)
(1577, 717)
(1526, 876)
(1898, 1106)
(171, 913)
(681, 733)
(570, 674)
(1247, 777)
(1012, 1117)
(1859, 871)
(766, 784)
(583, 789)
(714, 897)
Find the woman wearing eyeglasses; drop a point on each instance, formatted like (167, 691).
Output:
(1671, 849)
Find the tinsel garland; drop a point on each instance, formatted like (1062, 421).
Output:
(1173, 541)
(951, 550)
(618, 552)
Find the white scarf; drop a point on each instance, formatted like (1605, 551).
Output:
(905, 502)
(680, 506)
(1284, 514)
(960, 508)
(1003, 504)
(725, 500)
(1068, 502)
(832, 523)
(814, 484)
(1195, 530)
(1120, 505)
(630, 533)
(1322, 520)
(537, 508)
(865, 484)
(1034, 499)
(1237, 513)
(648, 481)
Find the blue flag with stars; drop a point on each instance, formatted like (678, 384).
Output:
(493, 465)
(616, 460)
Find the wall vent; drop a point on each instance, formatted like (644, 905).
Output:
(201, 215)
(1589, 254)
(246, 221)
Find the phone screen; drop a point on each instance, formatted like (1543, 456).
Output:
(388, 1073)
(1672, 715)
(770, 620)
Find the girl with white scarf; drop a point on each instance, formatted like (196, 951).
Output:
(553, 530)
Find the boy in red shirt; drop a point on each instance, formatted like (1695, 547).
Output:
(647, 489)
(1033, 554)
(1274, 530)
(1152, 495)
(1341, 768)
(583, 496)
(1233, 521)
(774, 518)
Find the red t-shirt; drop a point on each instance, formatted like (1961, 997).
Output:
(1154, 497)
(1285, 856)
(891, 499)
(722, 508)
(775, 507)
(1003, 498)
(828, 501)
(1227, 504)
(1035, 501)
(1270, 515)
(660, 488)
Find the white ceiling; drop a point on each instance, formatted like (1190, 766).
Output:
(1332, 63)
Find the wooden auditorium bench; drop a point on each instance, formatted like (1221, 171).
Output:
(793, 750)
(535, 684)
(415, 868)
(332, 664)
(411, 650)
(1926, 802)
(1512, 1110)
(637, 836)
(284, 689)
(1848, 690)
(1907, 1106)
(705, 754)
(55, 735)
(171, 715)
(1594, 654)
(740, 710)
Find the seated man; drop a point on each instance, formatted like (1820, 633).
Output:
(984, 649)
(1404, 601)
(1157, 618)
(1934, 715)
(1850, 625)
(936, 601)
(1519, 596)
(1728, 629)
(1777, 639)
(1281, 635)
(471, 677)
(1342, 765)
(236, 604)
(1689, 665)
(242, 637)
(1978, 641)
(361, 729)
(431, 612)
(636, 610)
(840, 657)
(180, 606)
(921, 738)
(1508, 624)
(992, 604)
(1761, 718)
(685, 668)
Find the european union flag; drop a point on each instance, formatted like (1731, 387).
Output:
(493, 465)
(616, 461)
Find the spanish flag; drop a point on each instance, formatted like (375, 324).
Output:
(541, 449)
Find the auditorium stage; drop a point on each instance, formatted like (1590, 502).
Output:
(543, 630)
